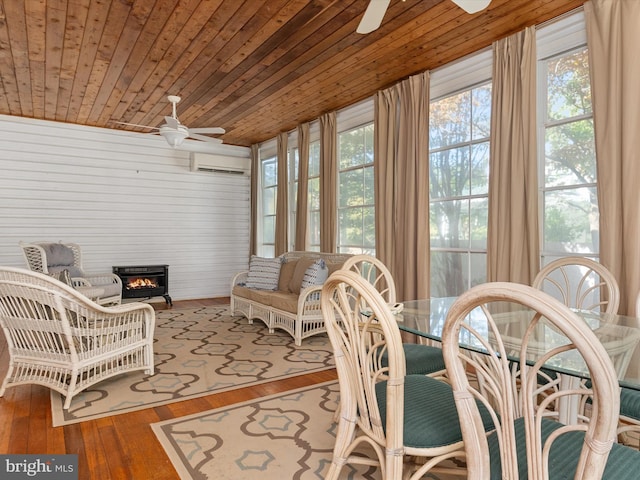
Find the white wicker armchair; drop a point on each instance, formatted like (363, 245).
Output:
(59, 338)
(51, 258)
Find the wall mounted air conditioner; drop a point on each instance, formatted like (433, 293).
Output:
(215, 163)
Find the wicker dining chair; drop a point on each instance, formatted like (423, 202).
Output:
(581, 283)
(630, 406)
(527, 443)
(584, 284)
(52, 258)
(421, 358)
(386, 417)
(62, 340)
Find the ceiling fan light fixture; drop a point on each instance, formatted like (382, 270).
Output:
(472, 6)
(174, 136)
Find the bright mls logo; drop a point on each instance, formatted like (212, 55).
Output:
(50, 467)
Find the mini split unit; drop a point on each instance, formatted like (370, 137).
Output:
(207, 162)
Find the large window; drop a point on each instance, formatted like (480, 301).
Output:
(356, 211)
(568, 167)
(313, 201)
(269, 189)
(294, 167)
(459, 130)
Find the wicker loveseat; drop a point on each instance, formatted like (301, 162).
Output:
(291, 307)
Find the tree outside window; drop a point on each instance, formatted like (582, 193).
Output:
(459, 132)
(568, 170)
(356, 210)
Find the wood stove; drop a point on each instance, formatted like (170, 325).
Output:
(144, 281)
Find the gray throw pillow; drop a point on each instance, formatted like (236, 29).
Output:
(57, 254)
(73, 271)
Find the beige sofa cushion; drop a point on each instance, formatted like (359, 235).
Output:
(286, 273)
(333, 266)
(260, 296)
(298, 274)
(285, 301)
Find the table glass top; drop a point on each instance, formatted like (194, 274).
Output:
(619, 334)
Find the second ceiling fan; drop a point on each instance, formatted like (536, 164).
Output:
(374, 13)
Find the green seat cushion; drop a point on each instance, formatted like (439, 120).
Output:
(421, 359)
(623, 462)
(630, 403)
(430, 414)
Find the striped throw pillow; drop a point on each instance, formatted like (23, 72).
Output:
(264, 273)
(316, 274)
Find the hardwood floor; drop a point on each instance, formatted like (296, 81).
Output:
(118, 447)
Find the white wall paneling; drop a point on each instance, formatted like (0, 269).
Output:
(127, 199)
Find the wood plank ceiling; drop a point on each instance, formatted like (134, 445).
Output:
(254, 67)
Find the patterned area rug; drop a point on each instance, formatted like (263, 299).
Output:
(199, 352)
(289, 435)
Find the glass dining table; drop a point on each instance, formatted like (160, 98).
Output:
(619, 334)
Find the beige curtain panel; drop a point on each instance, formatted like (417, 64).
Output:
(401, 184)
(512, 239)
(302, 209)
(328, 182)
(613, 29)
(385, 128)
(282, 197)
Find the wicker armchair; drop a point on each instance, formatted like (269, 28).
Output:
(60, 339)
(528, 443)
(53, 258)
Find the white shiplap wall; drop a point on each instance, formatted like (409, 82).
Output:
(127, 199)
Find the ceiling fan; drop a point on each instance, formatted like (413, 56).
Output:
(174, 132)
(376, 9)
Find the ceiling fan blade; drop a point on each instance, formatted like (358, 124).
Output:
(171, 122)
(212, 130)
(204, 138)
(137, 125)
(472, 6)
(373, 16)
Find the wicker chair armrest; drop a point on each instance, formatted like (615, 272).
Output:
(80, 282)
(130, 307)
(107, 320)
(102, 278)
(309, 298)
(238, 278)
